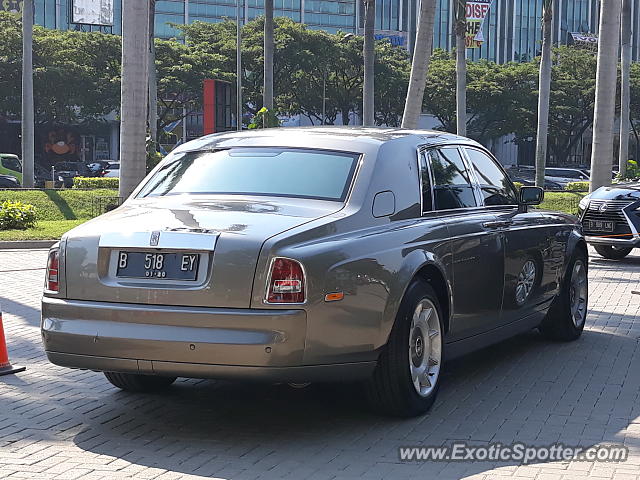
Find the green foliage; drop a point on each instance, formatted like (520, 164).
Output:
(96, 183)
(577, 187)
(566, 202)
(518, 185)
(44, 230)
(265, 118)
(633, 171)
(56, 205)
(17, 216)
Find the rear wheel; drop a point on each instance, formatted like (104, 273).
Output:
(407, 377)
(612, 252)
(568, 313)
(133, 382)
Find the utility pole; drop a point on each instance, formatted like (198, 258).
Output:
(605, 104)
(267, 99)
(27, 124)
(238, 68)
(544, 92)
(625, 91)
(368, 88)
(134, 94)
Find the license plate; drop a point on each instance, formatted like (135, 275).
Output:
(599, 226)
(158, 266)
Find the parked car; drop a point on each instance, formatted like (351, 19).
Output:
(10, 165)
(112, 170)
(611, 219)
(99, 168)
(66, 171)
(563, 176)
(548, 185)
(314, 254)
(9, 181)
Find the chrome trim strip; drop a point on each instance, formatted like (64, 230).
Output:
(193, 241)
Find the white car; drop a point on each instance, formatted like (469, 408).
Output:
(113, 170)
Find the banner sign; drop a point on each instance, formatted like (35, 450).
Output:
(92, 12)
(584, 38)
(476, 13)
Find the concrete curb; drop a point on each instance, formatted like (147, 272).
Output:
(26, 244)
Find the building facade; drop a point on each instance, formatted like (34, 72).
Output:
(512, 28)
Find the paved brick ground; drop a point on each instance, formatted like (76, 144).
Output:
(59, 423)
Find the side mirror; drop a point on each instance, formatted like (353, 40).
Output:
(531, 195)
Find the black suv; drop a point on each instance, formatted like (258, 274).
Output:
(611, 219)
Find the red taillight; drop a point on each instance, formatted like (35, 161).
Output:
(51, 282)
(286, 282)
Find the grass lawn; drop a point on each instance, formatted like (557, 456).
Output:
(562, 201)
(44, 230)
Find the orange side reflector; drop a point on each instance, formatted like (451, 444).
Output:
(333, 297)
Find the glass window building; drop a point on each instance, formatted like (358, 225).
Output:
(512, 30)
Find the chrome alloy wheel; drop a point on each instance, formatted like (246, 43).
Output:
(425, 347)
(526, 279)
(578, 293)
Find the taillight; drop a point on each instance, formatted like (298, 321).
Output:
(286, 282)
(51, 282)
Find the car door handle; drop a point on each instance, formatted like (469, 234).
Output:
(497, 224)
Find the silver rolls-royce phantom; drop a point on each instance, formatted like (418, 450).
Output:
(314, 254)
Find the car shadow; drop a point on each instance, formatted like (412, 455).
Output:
(525, 389)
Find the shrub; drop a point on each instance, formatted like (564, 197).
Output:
(633, 171)
(17, 216)
(518, 185)
(577, 187)
(93, 183)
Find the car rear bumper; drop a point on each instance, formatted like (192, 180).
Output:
(184, 341)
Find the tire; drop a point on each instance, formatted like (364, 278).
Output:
(566, 318)
(410, 354)
(611, 252)
(132, 382)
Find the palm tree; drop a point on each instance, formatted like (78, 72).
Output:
(267, 94)
(544, 91)
(625, 97)
(27, 121)
(368, 52)
(606, 78)
(461, 67)
(133, 94)
(153, 82)
(419, 64)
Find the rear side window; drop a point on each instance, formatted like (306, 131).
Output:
(11, 164)
(494, 184)
(452, 186)
(301, 173)
(425, 184)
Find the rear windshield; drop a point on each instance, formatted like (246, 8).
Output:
(301, 173)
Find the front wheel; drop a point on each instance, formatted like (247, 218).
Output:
(612, 252)
(133, 382)
(566, 318)
(407, 377)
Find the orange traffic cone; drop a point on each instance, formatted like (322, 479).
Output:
(5, 367)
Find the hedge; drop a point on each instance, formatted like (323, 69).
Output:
(93, 183)
(577, 187)
(59, 204)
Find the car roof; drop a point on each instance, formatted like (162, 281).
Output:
(320, 137)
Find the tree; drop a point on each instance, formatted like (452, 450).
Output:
(268, 55)
(152, 121)
(602, 150)
(419, 64)
(544, 92)
(625, 101)
(368, 53)
(461, 67)
(134, 94)
(28, 127)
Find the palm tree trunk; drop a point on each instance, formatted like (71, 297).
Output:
(368, 89)
(625, 97)
(27, 120)
(267, 99)
(420, 64)
(461, 68)
(134, 94)
(606, 77)
(153, 82)
(544, 88)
